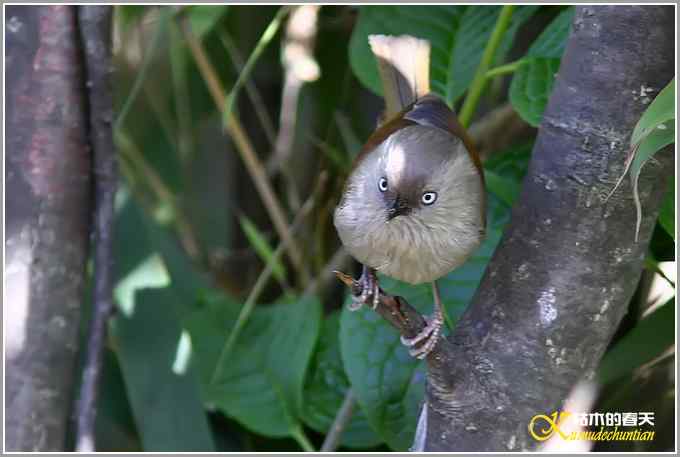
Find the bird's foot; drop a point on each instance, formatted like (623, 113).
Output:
(370, 290)
(423, 343)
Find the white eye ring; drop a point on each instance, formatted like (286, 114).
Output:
(428, 198)
(382, 184)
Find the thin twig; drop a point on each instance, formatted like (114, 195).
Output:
(244, 74)
(95, 29)
(144, 71)
(301, 438)
(247, 152)
(261, 281)
(395, 310)
(163, 194)
(338, 261)
(251, 89)
(340, 422)
(300, 67)
(504, 69)
(498, 130)
(180, 86)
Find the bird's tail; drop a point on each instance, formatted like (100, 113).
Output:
(404, 66)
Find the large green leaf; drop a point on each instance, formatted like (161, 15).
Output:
(326, 387)
(261, 384)
(155, 358)
(660, 111)
(667, 212)
(115, 428)
(458, 36)
(204, 18)
(503, 172)
(647, 340)
(150, 257)
(389, 384)
(551, 42)
(531, 87)
(475, 30)
(533, 82)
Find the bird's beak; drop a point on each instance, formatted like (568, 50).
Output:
(399, 207)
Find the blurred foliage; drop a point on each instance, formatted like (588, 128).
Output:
(192, 234)
(457, 34)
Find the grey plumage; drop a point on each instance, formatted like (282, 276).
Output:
(430, 240)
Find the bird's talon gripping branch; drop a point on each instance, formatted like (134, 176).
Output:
(423, 343)
(365, 290)
(429, 335)
(425, 340)
(369, 290)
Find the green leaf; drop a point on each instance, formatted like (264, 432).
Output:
(648, 339)
(458, 35)
(150, 257)
(155, 358)
(128, 15)
(650, 145)
(349, 137)
(551, 42)
(505, 189)
(660, 111)
(654, 141)
(667, 212)
(326, 387)
(458, 287)
(534, 79)
(115, 428)
(204, 18)
(654, 131)
(262, 248)
(531, 87)
(245, 72)
(475, 30)
(261, 386)
(388, 382)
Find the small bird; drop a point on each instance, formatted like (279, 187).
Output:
(413, 207)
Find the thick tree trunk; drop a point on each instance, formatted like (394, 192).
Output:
(48, 202)
(568, 264)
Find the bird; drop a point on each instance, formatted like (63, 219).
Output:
(413, 206)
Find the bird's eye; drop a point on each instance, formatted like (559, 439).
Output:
(428, 198)
(382, 184)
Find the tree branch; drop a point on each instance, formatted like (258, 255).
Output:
(95, 32)
(567, 265)
(48, 207)
(395, 310)
(341, 421)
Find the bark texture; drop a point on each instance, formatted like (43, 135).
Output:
(48, 202)
(95, 32)
(567, 266)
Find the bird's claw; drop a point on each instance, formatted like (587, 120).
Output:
(370, 289)
(423, 343)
